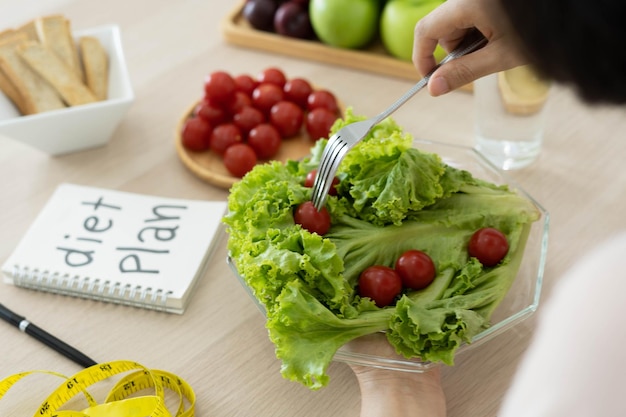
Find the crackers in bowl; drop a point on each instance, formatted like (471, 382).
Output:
(43, 68)
(55, 107)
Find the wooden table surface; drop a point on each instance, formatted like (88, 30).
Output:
(220, 345)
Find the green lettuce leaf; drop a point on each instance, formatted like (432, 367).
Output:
(391, 198)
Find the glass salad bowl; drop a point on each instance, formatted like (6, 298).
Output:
(520, 302)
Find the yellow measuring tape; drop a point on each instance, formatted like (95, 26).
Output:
(118, 402)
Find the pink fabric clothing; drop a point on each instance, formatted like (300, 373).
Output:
(576, 366)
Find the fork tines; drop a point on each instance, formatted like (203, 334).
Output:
(331, 157)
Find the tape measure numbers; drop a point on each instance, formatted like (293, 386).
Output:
(118, 401)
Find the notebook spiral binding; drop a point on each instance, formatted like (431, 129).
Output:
(86, 287)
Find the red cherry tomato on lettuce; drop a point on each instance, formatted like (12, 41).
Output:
(380, 283)
(307, 216)
(239, 159)
(488, 245)
(310, 180)
(416, 269)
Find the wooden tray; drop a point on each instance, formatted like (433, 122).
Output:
(375, 59)
(209, 167)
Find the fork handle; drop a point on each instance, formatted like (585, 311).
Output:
(473, 41)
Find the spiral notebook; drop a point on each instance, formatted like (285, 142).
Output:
(127, 248)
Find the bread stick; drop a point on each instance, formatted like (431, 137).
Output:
(49, 66)
(37, 94)
(29, 29)
(6, 85)
(54, 32)
(96, 66)
(7, 34)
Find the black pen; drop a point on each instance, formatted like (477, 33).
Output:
(45, 337)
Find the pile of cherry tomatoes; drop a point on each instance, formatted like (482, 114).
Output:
(244, 119)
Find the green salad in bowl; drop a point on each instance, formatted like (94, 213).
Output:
(393, 195)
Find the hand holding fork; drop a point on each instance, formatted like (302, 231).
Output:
(348, 136)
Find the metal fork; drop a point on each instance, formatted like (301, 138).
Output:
(348, 136)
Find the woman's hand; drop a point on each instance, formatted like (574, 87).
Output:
(447, 25)
(392, 393)
(395, 393)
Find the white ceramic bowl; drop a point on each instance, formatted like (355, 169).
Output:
(80, 127)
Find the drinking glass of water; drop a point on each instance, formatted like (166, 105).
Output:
(510, 111)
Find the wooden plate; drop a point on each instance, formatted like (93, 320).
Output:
(209, 167)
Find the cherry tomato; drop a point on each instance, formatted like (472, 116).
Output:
(265, 139)
(247, 118)
(416, 269)
(196, 134)
(488, 245)
(310, 180)
(239, 159)
(322, 98)
(318, 122)
(307, 216)
(380, 283)
(219, 86)
(210, 112)
(266, 95)
(224, 136)
(287, 117)
(237, 102)
(245, 84)
(273, 76)
(298, 90)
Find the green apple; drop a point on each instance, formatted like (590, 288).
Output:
(345, 23)
(397, 25)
